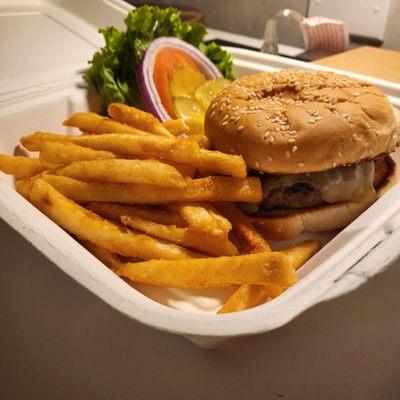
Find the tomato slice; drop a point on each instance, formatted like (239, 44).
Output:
(166, 62)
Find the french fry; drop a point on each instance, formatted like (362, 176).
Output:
(93, 123)
(182, 236)
(167, 149)
(111, 260)
(66, 153)
(24, 186)
(176, 126)
(302, 252)
(150, 172)
(249, 238)
(23, 167)
(89, 226)
(137, 118)
(213, 188)
(249, 296)
(185, 169)
(63, 153)
(202, 140)
(260, 268)
(116, 211)
(202, 217)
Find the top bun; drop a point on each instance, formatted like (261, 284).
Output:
(295, 121)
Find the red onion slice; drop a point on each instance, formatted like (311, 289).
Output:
(145, 72)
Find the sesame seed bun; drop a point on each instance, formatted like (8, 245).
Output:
(295, 121)
(284, 224)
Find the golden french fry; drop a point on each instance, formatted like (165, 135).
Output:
(202, 140)
(298, 254)
(24, 186)
(249, 296)
(23, 167)
(213, 188)
(93, 123)
(249, 238)
(150, 172)
(185, 169)
(137, 118)
(168, 149)
(176, 126)
(89, 226)
(116, 211)
(260, 268)
(64, 153)
(182, 236)
(111, 260)
(202, 217)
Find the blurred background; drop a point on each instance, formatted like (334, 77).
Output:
(371, 22)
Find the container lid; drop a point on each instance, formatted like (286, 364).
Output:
(48, 42)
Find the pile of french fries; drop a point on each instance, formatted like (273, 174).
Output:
(155, 205)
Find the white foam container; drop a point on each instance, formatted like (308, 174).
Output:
(44, 46)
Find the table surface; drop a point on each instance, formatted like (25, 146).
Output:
(59, 341)
(367, 60)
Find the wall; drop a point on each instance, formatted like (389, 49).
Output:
(391, 39)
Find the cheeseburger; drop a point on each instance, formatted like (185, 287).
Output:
(319, 142)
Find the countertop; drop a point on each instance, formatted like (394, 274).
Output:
(367, 60)
(59, 341)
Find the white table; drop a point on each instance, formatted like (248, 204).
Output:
(58, 341)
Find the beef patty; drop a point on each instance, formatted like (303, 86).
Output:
(306, 195)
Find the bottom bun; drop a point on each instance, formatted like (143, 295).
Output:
(285, 224)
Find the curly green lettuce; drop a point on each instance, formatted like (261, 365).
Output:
(113, 68)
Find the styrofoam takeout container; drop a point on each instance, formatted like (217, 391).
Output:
(44, 46)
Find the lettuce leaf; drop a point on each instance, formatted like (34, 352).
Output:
(113, 68)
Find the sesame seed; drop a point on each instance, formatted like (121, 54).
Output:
(339, 154)
(212, 114)
(269, 158)
(225, 118)
(334, 165)
(318, 118)
(271, 139)
(257, 164)
(266, 134)
(294, 148)
(301, 164)
(258, 124)
(291, 140)
(287, 153)
(224, 123)
(240, 128)
(277, 129)
(354, 136)
(311, 121)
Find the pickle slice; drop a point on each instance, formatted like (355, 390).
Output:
(188, 108)
(206, 92)
(185, 81)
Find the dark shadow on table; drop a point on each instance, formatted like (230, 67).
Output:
(59, 341)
